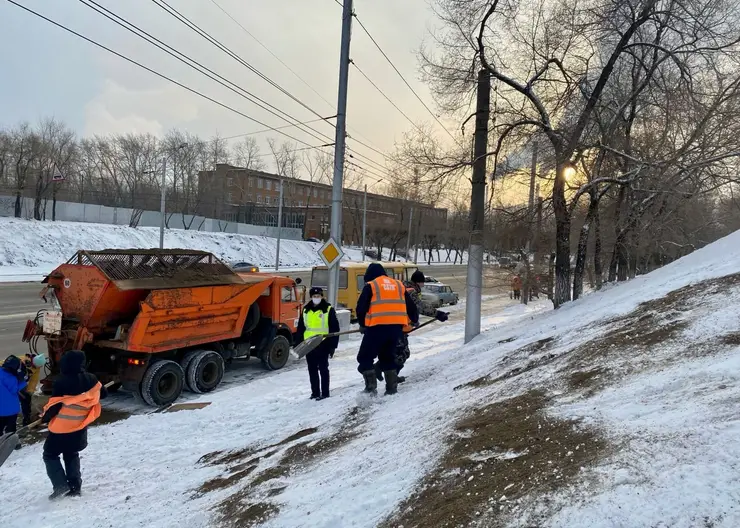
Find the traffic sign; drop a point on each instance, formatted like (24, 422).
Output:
(331, 253)
(57, 175)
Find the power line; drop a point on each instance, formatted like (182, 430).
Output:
(249, 33)
(270, 51)
(273, 129)
(182, 18)
(152, 71)
(200, 68)
(384, 95)
(403, 78)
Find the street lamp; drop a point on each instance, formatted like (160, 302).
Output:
(164, 194)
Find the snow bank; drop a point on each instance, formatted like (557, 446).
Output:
(677, 436)
(30, 249)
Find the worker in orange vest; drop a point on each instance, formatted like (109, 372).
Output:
(74, 404)
(383, 309)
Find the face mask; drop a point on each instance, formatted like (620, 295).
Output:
(316, 300)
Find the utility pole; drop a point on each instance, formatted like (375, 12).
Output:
(477, 208)
(364, 223)
(162, 202)
(530, 226)
(279, 226)
(339, 143)
(408, 237)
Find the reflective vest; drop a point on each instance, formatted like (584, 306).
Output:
(316, 322)
(77, 412)
(388, 303)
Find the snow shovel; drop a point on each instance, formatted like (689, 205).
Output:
(9, 441)
(312, 342)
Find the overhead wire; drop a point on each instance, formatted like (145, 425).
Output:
(366, 144)
(197, 66)
(192, 25)
(153, 71)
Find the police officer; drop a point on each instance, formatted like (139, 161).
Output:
(383, 309)
(319, 318)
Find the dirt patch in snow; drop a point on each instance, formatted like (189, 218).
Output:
(500, 454)
(731, 339)
(267, 468)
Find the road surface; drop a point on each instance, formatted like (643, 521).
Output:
(20, 301)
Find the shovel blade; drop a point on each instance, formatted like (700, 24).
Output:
(7, 446)
(308, 345)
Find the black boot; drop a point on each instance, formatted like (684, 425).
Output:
(391, 382)
(378, 372)
(58, 493)
(371, 382)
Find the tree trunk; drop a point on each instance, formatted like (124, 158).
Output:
(581, 258)
(18, 204)
(598, 270)
(561, 294)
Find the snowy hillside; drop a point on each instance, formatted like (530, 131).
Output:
(30, 250)
(617, 410)
(28, 247)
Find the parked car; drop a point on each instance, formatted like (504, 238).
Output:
(313, 239)
(244, 266)
(430, 280)
(443, 292)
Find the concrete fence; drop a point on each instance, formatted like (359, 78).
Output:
(101, 214)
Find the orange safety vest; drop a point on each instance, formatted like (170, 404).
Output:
(388, 303)
(77, 412)
(407, 327)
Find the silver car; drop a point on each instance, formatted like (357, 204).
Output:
(440, 294)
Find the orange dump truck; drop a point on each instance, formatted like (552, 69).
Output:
(158, 321)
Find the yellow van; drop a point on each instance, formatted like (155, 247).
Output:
(352, 279)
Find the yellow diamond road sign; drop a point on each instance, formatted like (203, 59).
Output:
(330, 253)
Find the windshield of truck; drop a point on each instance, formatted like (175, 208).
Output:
(320, 278)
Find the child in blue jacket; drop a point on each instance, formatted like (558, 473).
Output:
(11, 383)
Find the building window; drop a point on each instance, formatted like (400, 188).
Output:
(229, 182)
(267, 199)
(260, 183)
(229, 197)
(315, 193)
(250, 182)
(259, 198)
(300, 204)
(268, 185)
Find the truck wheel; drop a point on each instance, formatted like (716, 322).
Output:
(276, 355)
(205, 371)
(185, 363)
(162, 383)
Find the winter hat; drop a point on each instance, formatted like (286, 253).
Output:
(374, 271)
(316, 291)
(418, 277)
(12, 364)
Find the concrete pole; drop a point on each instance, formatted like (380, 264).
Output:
(530, 226)
(408, 236)
(339, 145)
(162, 202)
(364, 223)
(477, 209)
(280, 226)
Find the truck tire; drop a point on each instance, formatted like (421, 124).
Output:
(185, 363)
(205, 371)
(163, 383)
(276, 355)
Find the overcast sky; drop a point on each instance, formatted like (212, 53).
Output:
(48, 72)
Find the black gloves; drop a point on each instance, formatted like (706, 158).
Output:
(441, 316)
(362, 329)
